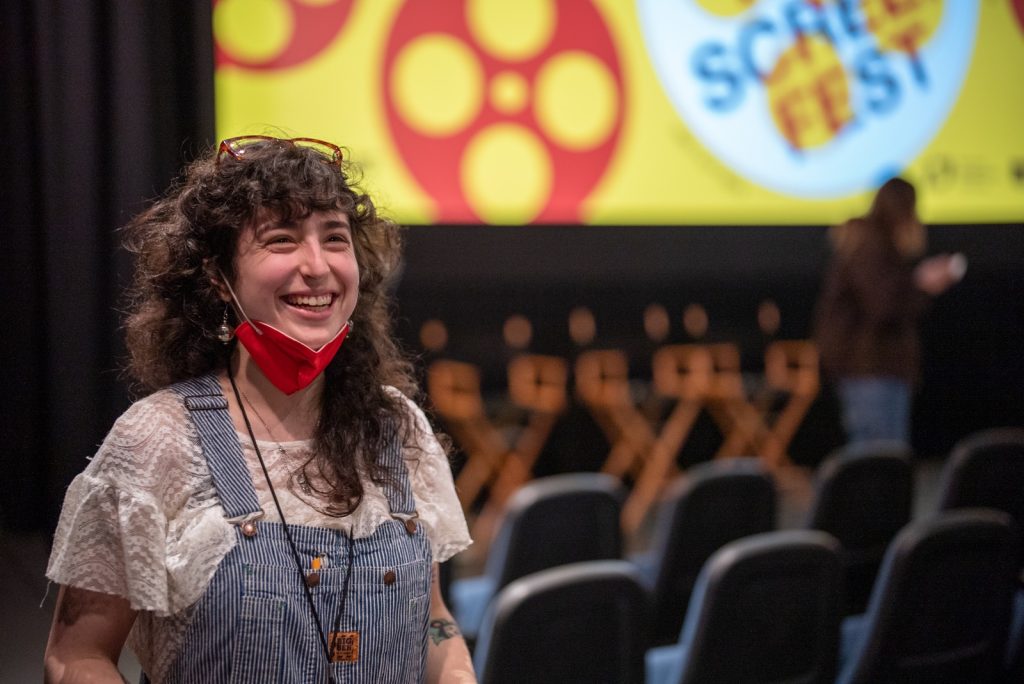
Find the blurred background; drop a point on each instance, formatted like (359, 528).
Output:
(576, 175)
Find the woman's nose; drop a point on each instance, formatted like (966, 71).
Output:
(314, 262)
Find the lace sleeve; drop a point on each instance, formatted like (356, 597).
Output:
(142, 521)
(434, 491)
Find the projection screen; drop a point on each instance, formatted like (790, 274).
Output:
(645, 112)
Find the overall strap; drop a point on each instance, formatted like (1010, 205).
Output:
(209, 412)
(399, 494)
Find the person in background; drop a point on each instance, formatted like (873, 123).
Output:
(866, 323)
(276, 506)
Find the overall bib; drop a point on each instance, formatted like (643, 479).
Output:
(254, 624)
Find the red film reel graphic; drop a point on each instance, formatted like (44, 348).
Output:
(501, 119)
(1018, 10)
(275, 34)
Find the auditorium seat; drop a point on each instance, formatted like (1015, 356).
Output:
(765, 609)
(712, 504)
(940, 609)
(986, 469)
(550, 521)
(582, 622)
(863, 496)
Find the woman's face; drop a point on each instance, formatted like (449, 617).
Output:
(301, 278)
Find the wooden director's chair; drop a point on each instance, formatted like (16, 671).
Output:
(602, 384)
(682, 373)
(791, 370)
(495, 460)
(454, 389)
(739, 420)
(752, 427)
(537, 385)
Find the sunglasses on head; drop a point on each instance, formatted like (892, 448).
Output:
(236, 147)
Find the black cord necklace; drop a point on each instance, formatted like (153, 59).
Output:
(307, 589)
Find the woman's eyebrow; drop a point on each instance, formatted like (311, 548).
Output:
(332, 224)
(335, 224)
(274, 224)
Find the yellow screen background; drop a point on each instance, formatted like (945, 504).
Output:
(658, 172)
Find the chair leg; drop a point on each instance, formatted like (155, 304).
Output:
(660, 463)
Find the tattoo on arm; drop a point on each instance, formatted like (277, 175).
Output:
(442, 630)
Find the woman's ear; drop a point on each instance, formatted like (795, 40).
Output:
(218, 280)
(222, 290)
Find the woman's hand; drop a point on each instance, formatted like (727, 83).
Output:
(936, 274)
(88, 632)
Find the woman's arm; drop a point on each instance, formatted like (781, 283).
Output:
(88, 632)
(448, 658)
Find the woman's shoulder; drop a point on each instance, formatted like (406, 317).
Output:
(159, 410)
(152, 435)
(422, 436)
(406, 402)
(162, 409)
(848, 236)
(393, 391)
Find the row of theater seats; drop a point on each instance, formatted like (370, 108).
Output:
(721, 597)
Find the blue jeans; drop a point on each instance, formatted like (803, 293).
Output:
(875, 408)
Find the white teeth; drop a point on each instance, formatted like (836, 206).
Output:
(316, 300)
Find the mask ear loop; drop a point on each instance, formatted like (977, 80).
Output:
(238, 307)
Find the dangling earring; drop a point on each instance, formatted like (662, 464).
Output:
(224, 332)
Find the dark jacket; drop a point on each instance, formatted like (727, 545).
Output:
(866, 322)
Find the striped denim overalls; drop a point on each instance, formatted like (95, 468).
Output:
(253, 624)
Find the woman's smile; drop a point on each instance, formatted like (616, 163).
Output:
(311, 303)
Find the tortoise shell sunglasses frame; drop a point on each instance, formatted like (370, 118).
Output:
(236, 147)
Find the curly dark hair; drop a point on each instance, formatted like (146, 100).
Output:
(174, 308)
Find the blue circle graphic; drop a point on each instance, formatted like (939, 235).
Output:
(714, 70)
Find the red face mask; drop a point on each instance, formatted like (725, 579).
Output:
(288, 364)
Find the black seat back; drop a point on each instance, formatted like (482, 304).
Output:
(765, 610)
(940, 610)
(713, 504)
(583, 622)
(987, 470)
(863, 496)
(554, 521)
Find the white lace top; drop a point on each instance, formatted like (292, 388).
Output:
(143, 520)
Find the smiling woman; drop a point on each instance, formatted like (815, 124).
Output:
(278, 452)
